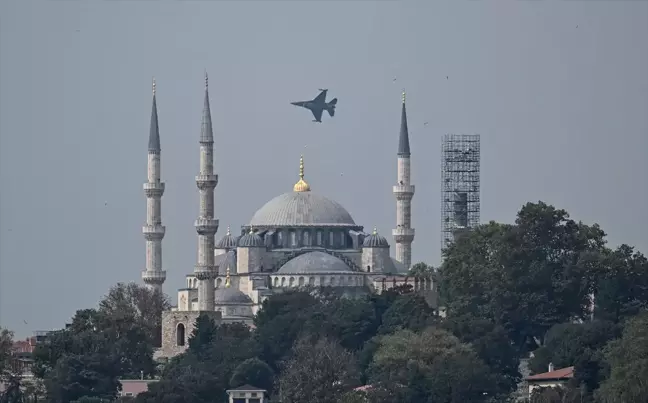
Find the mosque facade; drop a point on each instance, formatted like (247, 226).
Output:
(298, 239)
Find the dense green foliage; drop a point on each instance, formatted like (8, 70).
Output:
(508, 290)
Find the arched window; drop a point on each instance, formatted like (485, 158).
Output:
(306, 238)
(291, 282)
(283, 281)
(293, 239)
(301, 281)
(332, 281)
(219, 281)
(276, 281)
(322, 281)
(311, 281)
(180, 334)
(319, 238)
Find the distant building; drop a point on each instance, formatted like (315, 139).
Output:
(133, 387)
(247, 394)
(551, 379)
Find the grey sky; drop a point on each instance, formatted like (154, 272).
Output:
(558, 91)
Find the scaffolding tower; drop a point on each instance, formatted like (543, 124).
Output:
(460, 161)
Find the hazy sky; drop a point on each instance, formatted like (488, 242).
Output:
(557, 89)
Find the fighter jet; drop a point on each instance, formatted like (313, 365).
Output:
(318, 105)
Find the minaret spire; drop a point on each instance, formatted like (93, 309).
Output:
(154, 231)
(206, 225)
(404, 191)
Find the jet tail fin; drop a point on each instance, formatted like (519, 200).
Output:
(330, 107)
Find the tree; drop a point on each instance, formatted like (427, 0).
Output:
(317, 373)
(280, 321)
(408, 311)
(627, 358)
(491, 343)
(431, 366)
(77, 376)
(351, 321)
(254, 372)
(135, 302)
(421, 269)
(203, 335)
(564, 394)
(622, 289)
(526, 277)
(204, 376)
(6, 346)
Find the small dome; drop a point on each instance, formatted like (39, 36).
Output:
(228, 241)
(313, 263)
(251, 240)
(229, 295)
(375, 241)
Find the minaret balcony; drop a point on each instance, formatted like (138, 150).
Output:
(153, 277)
(154, 189)
(205, 272)
(403, 191)
(206, 181)
(153, 232)
(206, 226)
(402, 234)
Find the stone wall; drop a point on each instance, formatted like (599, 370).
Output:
(172, 323)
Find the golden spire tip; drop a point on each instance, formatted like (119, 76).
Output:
(228, 231)
(227, 277)
(301, 185)
(375, 231)
(153, 85)
(403, 95)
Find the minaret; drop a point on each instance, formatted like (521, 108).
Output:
(206, 225)
(404, 191)
(153, 231)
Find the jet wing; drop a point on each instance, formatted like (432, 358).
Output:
(317, 113)
(321, 97)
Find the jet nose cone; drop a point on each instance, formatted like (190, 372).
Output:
(294, 103)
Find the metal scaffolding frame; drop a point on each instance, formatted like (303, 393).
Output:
(460, 185)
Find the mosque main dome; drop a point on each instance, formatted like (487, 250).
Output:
(301, 208)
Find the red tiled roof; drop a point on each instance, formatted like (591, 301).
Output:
(563, 373)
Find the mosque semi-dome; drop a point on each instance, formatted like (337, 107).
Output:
(230, 295)
(315, 262)
(301, 207)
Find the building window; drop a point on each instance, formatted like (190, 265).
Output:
(331, 239)
(319, 238)
(311, 281)
(293, 239)
(291, 282)
(180, 334)
(306, 238)
(301, 281)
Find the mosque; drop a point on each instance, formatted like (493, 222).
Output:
(298, 239)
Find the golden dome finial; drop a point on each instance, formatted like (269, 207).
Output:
(403, 94)
(153, 85)
(301, 185)
(227, 277)
(375, 231)
(228, 231)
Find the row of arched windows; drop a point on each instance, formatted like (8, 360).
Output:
(321, 281)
